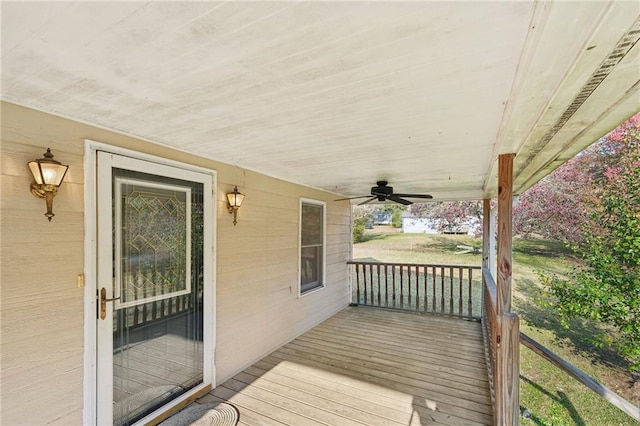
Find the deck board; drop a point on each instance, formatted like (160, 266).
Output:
(368, 366)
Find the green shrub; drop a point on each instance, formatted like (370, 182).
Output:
(358, 229)
(396, 219)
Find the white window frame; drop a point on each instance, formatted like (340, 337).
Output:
(323, 283)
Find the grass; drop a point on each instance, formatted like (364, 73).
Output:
(417, 248)
(550, 396)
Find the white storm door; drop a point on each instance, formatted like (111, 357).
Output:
(155, 316)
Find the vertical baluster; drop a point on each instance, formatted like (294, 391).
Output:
(470, 307)
(386, 286)
(461, 293)
(425, 270)
(370, 289)
(409, 282)
(451, 290)
(162, 304)
(433, 287)
(371, 283)
(136, 309)
(417, 270)
(145, 310)
(364, 278)
(358, 283)
(378, 283)
(418, 288)
(142, 311)
(170, 307)
(154, 309)
(405, 283)
(417, 282)
(143, 295)
(402, 286)
(442, 289)
(393, 279)
(409, 286)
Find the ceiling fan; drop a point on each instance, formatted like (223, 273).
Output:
(382, 192)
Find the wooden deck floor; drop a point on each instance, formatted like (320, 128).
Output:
(367, 366)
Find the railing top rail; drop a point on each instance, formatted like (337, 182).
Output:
(607, 394)
(490, 283)
(368, 262)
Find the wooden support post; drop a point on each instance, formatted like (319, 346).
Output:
(486, 240)
(486, 231)
(507, 410)
(507, 374)
(505, 207)
(492, 241)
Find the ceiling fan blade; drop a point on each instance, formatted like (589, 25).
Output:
(367, 201)
(397, 199)
(414, 195)
(352, 198)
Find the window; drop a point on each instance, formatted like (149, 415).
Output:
(312, 237)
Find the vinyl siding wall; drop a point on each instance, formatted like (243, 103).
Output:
(42, 308)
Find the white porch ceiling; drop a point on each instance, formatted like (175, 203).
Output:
(337, 95)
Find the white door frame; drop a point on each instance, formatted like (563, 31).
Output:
(90, 384)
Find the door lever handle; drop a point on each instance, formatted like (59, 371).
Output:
(103, 302)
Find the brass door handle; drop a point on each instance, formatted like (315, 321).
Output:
(103, 302)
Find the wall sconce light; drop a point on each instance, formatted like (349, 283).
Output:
(48, 174)
(234, 201)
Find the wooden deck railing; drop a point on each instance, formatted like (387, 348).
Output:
(608, 395)
(150, 312)
(144, 313)
(442, 289)
(501, 333)
(489, 325)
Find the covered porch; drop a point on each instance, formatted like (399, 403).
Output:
(288, 102)
(369, 366)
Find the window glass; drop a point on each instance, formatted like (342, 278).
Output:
(312, 246)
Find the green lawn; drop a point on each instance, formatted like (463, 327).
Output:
(550, 395)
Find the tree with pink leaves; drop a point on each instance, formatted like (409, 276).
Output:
(555, 207)
(606, 287)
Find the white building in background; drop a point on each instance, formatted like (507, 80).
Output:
(418, 225)
(382, 218)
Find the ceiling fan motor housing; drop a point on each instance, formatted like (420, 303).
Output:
(382, 191)
(381, 188)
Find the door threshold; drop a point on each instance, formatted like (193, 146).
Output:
(174, 406)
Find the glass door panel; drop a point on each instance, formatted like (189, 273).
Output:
(157, 248)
